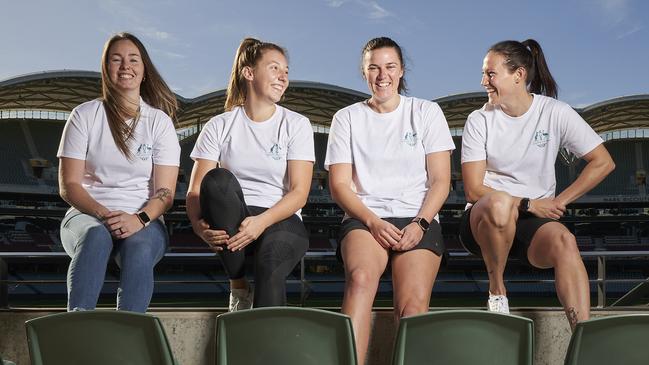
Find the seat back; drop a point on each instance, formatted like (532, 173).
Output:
(610, 340)
(286, 336)
(462, 337)
(98, 338)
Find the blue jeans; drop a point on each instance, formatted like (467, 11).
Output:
(90, 245)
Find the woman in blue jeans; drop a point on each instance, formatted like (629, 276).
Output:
(119, 158)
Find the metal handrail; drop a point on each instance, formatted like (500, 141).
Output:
(601, 281)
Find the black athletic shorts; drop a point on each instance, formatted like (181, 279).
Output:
(432, 240)
(526, 228)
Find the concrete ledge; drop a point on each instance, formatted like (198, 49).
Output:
(192, 333)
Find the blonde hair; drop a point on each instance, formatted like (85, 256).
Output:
(248, 54)
(153, 90)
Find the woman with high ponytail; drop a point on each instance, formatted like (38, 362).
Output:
(509, 148)
(252, 174)
(119, 158)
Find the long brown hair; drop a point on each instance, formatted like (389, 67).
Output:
(248, 54)
(528, 55)
(153, 90)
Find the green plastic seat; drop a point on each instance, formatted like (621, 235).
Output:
(98, 338)
(284, 336)
(464, 337)
(610, 340)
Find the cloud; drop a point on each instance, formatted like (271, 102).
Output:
(614, 11)
(377, 11)
(336, 3)
(371, 9)
(636, 28)
(121, 10)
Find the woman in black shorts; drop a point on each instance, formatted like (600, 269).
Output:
(509, 148)
(395, 151)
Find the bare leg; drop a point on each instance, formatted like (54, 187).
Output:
(413, 275)
(553, 246)
(365, 261)
(493, 223)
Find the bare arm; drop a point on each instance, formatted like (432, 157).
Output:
(438, 166)
(164, 187)
(299, 179)
(340, 179)
(122, 224)
(71, 173)
(473, 176)
(599, 165)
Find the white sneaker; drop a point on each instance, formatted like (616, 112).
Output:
(241, 299)
(498, 304)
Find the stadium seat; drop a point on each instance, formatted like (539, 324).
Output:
(610, 340)
(98, 338)
(464, 337)
(284, 335)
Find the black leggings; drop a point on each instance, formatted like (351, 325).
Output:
(276, 251)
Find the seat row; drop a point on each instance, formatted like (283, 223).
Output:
(286, 336)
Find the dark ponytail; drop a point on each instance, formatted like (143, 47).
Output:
(529, 55)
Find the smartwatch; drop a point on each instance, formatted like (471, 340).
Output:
(524, 205)
(422, 223)
(143, 217)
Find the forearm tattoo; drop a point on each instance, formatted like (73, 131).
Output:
(572, 317)
(162, 194)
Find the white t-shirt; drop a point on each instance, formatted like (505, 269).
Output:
(110, 178)
(521, 151)
(388, 152)
(257, 153)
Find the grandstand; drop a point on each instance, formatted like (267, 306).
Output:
(33, 110)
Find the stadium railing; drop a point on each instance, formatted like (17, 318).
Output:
(305, 283)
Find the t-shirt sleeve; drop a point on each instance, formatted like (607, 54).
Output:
(207, 144)
(436, 135)
(339, 148)
(166, 149)
(474, 139)
(74, 140)
(576, 135)
(301, 146)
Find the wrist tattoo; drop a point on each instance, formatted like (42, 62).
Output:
(162, 194)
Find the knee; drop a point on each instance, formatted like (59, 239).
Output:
(145, 253)
(216, 181)
(499, 210)
(362, 280)
(411, 306)
(564, 247)
(97, 240)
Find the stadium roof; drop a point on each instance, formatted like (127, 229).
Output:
(63, 90)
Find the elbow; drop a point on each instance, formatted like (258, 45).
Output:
(470, 195)
(610, 166)
(303, 198)
(63, 194)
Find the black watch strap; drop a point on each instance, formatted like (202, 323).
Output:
(524, 205)
(422, 223)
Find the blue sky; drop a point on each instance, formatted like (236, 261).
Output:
(596, 49)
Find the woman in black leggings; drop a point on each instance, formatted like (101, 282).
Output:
(251, 176)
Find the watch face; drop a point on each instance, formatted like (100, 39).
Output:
(144, 217)
(423, 224)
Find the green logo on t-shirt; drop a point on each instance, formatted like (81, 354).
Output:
(410, 138)
(144, 151)
(274, 152)
(541, 138)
